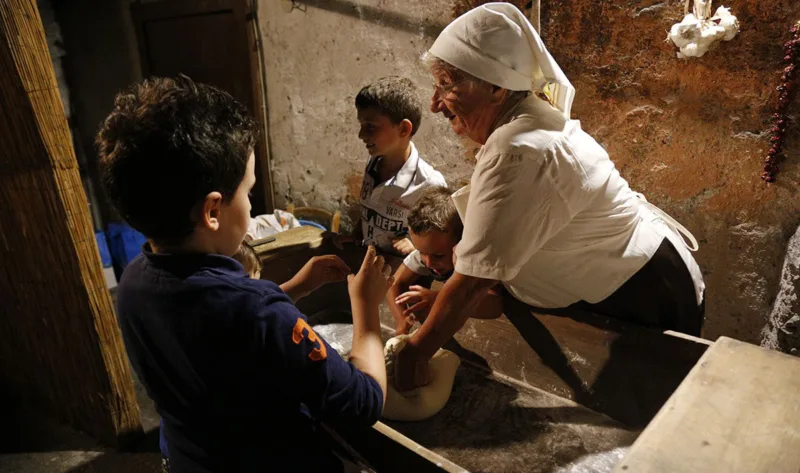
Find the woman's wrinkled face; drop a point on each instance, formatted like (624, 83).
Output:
(471, 107)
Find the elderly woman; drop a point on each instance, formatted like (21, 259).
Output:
(546, 213)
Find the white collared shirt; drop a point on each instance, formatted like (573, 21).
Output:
(385, 206)
(415, 264)
(549, 215)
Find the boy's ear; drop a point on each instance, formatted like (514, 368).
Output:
(211, 207)
(405, 128)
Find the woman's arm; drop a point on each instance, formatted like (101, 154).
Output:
(491, 306)
(460, 297)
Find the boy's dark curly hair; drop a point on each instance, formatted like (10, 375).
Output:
(166, 145)
(395, 97)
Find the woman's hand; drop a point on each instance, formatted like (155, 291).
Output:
(319, 270)
(410, 370)
(419, 301)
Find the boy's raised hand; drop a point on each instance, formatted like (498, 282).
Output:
(374, 278)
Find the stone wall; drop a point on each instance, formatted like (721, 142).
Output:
(689, 134)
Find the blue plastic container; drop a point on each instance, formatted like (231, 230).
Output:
(309, 223)
(125, 244)
(102, 245)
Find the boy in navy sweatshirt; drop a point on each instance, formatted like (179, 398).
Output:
(240, 379)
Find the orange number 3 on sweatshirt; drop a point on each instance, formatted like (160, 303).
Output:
(319, 352)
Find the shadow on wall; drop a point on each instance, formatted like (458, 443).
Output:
(378, 16)
(399, 21)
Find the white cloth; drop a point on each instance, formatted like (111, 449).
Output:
(385, 206)
(415, 264)
(496, 43)
(266, 225)
(549, 215)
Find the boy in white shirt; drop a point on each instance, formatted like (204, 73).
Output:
(389, 114)
(435, 229)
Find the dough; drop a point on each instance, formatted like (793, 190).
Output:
(423, 402)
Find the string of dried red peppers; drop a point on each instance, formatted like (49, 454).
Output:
(780, 120)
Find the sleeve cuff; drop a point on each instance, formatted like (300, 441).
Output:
(477, 270)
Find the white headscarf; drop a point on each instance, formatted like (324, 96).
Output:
(496, 43)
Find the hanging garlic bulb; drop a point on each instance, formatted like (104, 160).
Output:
(698, 33)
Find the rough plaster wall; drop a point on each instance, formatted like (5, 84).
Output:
(317, 60)
(783, 331)
(690, 135)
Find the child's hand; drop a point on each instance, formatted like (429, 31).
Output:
(420, 299)
(369, 286)
(403, 246)
(320, 270)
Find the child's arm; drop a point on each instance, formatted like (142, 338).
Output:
(319, 270)
(421, 299)
(403, 279)
(366, 291)
(307, 368)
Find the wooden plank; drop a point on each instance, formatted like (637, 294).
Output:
(258, 79)
(282, 244)
(736, 412)
(612, 367)
(61, 346)
(389, 451)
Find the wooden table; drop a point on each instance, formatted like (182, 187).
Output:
(738, 410)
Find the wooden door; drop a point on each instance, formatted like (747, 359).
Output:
(211, 41)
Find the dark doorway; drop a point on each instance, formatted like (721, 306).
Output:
(210, 42)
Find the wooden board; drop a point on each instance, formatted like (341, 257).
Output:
(736, 412)
(300, 238)
(389, 451)
(622, 370)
